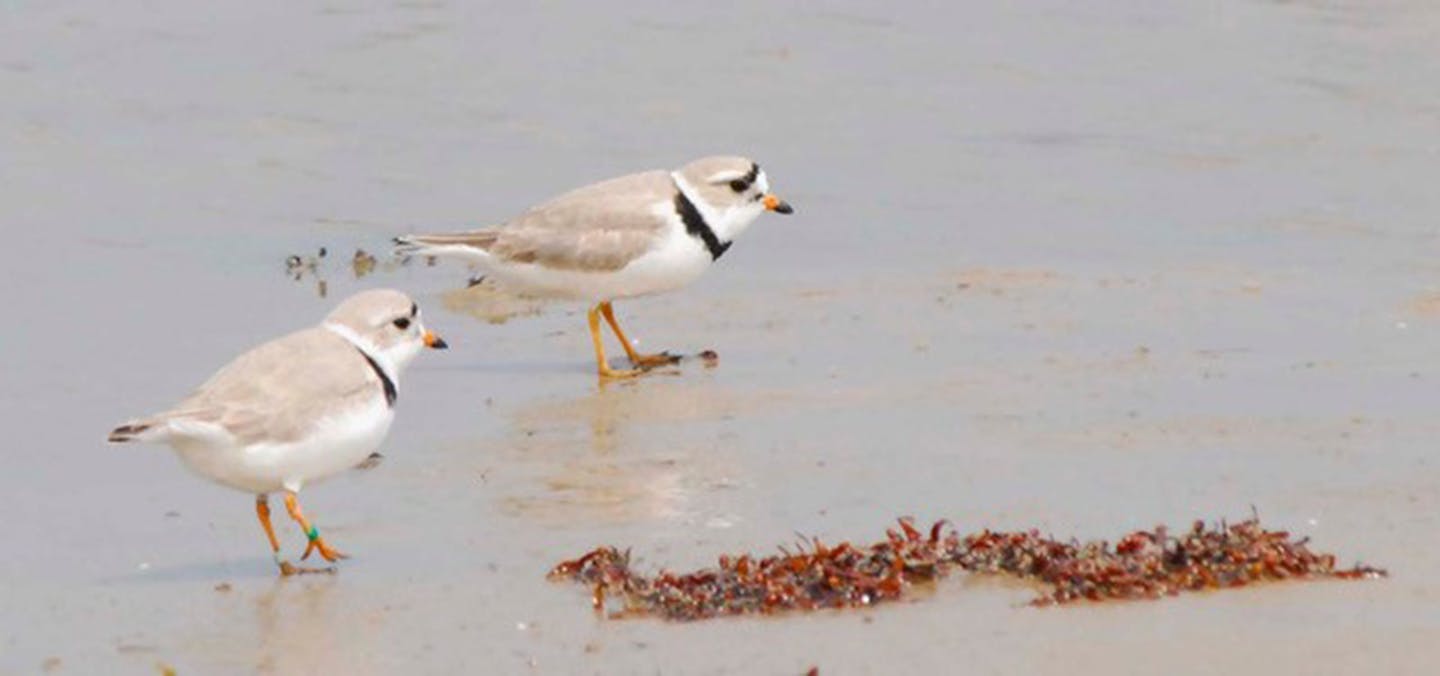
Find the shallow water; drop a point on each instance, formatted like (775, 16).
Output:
(1085, 269)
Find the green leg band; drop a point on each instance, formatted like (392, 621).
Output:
(314, 533)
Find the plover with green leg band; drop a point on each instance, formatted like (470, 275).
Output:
(298, 409)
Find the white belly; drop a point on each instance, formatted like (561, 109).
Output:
(333, 446)
(676, 261)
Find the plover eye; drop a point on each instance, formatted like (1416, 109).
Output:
(402, 323)
(739, 185)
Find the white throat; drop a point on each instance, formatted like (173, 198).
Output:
(727, 223)
(366, 347)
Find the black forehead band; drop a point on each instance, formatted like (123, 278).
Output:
(414, 309)
(754, 174)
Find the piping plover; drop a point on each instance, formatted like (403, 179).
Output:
(297, 409)
(629, 236)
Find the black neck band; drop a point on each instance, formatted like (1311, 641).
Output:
(696, 226)
(385, 381)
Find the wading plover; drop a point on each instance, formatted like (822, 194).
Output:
(297, 409)
(630, 236)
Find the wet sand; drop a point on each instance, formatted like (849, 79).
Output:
(1080, 269)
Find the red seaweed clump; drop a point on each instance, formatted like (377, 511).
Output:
(1142, 565)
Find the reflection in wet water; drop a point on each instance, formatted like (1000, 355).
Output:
(484, 301)
(654, 449)
(592, 467)
(293, 628)
(307, 625)
(283, 625)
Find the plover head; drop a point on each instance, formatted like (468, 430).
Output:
(731, 192)
(385, 324)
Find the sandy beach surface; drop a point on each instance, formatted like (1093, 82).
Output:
(1082, 267)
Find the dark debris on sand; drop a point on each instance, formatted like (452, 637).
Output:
(1142, 565)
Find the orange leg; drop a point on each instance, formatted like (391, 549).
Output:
(262, 510)
(317, 543)
(602, 365)
(643, 361)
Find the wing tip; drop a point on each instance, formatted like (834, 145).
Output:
(129, 432)
(465, 245)
(410, 245)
